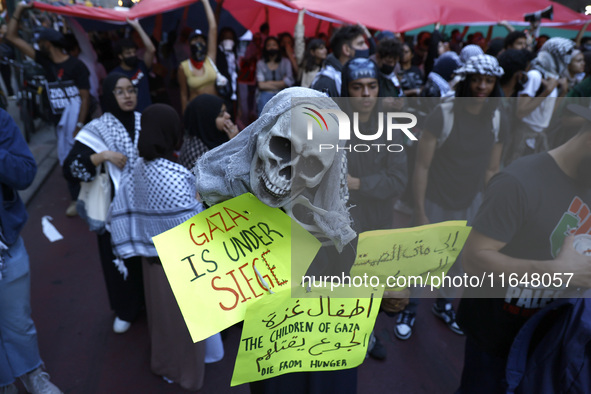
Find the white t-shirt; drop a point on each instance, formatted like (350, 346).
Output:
(539, 118)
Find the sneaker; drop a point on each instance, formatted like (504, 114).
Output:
(37, 382)
(71, 211)
(404, 323)
(448, 315)
(120, 326)
(10, 389)
(376, 349)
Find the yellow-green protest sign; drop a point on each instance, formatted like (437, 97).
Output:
(405, 254)
(282, 334)
(228, 257)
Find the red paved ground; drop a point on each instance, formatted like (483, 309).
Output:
(84, 356)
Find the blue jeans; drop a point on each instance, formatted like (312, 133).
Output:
(19, 351)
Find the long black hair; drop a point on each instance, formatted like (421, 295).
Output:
(463, 91)
(309, 62)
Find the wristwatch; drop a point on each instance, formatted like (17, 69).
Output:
(80, 125)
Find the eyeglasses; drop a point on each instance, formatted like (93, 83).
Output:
(121, 92)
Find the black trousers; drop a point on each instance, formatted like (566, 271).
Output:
(126, 296)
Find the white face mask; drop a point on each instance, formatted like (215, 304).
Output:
(228, 45)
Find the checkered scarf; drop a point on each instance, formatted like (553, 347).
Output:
(554, 57)
(480, 64)
(154, 197)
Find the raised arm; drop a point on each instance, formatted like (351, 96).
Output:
(298, 36)
(150, 48)
(581, 33)
(12, 33)
(212, 35)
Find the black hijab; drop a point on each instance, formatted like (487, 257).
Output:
(200, 118)
(161, 134)
(109, 103)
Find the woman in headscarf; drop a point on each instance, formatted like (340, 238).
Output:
(207, 125)
(155, 196)
(112, 140)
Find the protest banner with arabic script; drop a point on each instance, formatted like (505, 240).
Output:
(282, 335)
(424, 251)
(228, 257)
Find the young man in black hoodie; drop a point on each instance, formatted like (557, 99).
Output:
(347, 43)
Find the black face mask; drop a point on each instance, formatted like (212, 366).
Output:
(386, 69)
(131, 61)
(198, 51)
(271, 53)
(364, 53)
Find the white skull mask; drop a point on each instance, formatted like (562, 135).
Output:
(286, 162)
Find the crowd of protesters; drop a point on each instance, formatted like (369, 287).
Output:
(131, 87)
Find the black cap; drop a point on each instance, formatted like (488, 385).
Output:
(53, 36)
(197, 33)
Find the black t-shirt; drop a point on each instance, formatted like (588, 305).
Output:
(457, 171)
(72, 69)
(66, 79)
(411, 78)
(531, 206)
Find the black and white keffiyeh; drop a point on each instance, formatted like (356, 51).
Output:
(481, 64)
(154, 197)
(108, 133)
(553, 57)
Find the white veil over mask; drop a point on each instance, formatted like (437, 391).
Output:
(225, 172)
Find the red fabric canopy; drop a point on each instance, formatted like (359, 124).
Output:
(282, 17)
(403, 15)
(249, 13)
(394, 15)
(141, 10)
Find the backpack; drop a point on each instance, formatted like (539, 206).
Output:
(447, 107)
(552, 351)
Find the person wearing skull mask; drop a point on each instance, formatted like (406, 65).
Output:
(253, 162)
(274, 72)
(135, 69)
(197, 75)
